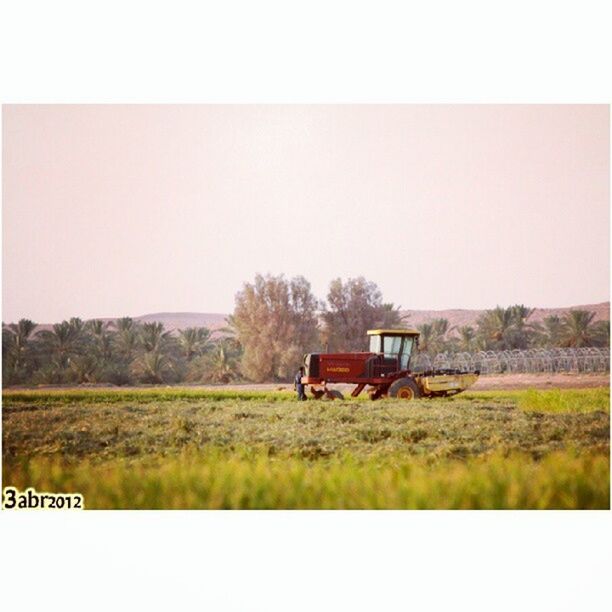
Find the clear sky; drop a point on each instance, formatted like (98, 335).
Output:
(127, 210)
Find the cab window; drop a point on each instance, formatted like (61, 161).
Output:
(375, 342)
(391, 345)
(406, 352)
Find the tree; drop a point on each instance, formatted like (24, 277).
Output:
(505, 328)
(63, 341)
(275, 321)
(221, 364)
(353, 308)
(152, 367)
(521, 332)
(17, 355)
(577, 328)
(433, 336)
(466, 338)
(153, 337)
(126, 338)
(494, 327)
(102, 340)
(425, 337)
(194, 341)
(549, 332)
(601, 333)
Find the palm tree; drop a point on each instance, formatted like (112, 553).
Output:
(549, 332)
(152, 367)
(494, 327)
(153, 336)
(22, 331)
(521, 332)
(17, 356)
(577, 328)
(441, 328)
(426, 335)
(601, 333)
(194, 341)
(127, 338)
(124, 324)
(433, 336)
(102, 339)
(467, 337)
(223, 362)
(85, 368)
(62, 342)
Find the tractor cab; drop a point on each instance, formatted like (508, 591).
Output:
(395, 345)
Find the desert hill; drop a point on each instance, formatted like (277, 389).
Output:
(456, 317)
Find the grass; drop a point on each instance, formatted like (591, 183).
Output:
(142, 396)
(185, 448)
(217, 480)
(551, 400)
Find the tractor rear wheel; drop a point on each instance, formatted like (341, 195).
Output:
(405, 388)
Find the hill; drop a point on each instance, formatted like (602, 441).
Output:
(456, 317)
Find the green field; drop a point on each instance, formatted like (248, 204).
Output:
(182, 448)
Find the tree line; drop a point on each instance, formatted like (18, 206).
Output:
(275, 321)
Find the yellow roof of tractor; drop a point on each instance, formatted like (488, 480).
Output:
(410, 331)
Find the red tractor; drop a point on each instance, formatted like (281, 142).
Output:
(385, 369)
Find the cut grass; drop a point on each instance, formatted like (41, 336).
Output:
(187, 448)
(549, 400)
(110, 396)
(444, 428)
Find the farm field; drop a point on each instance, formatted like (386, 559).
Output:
(237, 448)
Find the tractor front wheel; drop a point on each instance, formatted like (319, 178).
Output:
(405, 388)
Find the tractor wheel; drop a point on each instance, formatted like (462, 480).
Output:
(334, 394)
(405, 388)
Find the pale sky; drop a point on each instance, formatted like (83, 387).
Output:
(127, 210)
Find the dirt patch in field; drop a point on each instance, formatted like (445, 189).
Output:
(541, 381)
(484, 383)
(490, 382)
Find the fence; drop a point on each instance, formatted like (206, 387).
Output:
(577, 360)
